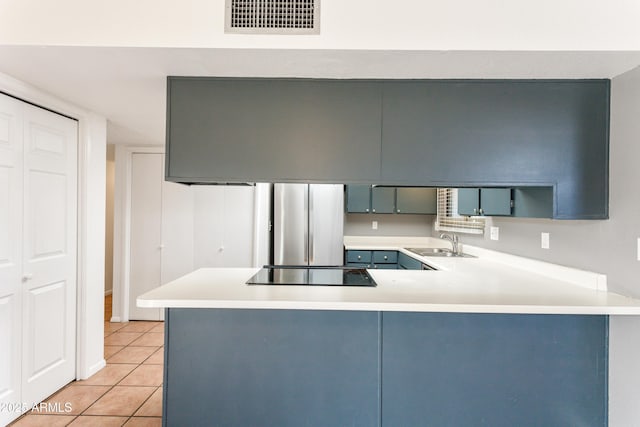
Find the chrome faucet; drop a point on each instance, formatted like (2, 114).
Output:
(454, 241)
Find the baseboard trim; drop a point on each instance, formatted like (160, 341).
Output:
(93, 369)
(115, 319)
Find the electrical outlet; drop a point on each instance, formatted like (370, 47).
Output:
(544, 240)
(495, 233)
(374, 225)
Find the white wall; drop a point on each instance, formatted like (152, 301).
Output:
(388, 225)
(108, 249)
(353, 24)
(624, 371)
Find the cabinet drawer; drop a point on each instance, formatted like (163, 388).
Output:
(359, 256)
(385, 257)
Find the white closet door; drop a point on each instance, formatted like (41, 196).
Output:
(177, 231)
(10, 253)
(223, 226)
(50, 240)
(146, 228)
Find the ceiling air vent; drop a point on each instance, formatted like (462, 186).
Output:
(273, 16)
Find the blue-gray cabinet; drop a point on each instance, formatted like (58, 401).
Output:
(387, 260)
(370, 199)
(358, 198)
(429, 133)
(227, 367)
(494, 370)
(484, 201)
(381, 260)
(383, 200)
(510, 133)
(356, 257)
(243, 367)
(272, 130)
(372, 259)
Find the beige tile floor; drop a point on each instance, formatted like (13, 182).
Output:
(128, 391)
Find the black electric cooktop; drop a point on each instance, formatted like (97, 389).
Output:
(312, 276)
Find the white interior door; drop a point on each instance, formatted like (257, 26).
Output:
(49, 260)
(146, 228)
(10, 254)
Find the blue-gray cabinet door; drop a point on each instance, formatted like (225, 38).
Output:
(358, 198)
(495, 201)
(383, 200)
(488, 133)
(237, 367)
(441, 369)
(273, 130)
(416, 200)
(469, 201)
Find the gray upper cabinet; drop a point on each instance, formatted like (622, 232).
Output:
(396, 133)
(495, 201)
(469, 201)
(501, 133)
(358, 198)
(383, 200)
(365, 199)
(484, 201)
(416, 200)
(272, 130)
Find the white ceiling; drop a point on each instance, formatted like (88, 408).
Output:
(128, 85)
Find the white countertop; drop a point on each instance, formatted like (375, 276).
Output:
(489, 283)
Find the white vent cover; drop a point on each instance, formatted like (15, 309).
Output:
(273, 16)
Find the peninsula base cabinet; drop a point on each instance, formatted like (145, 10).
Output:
(240, 367)
(228, 367)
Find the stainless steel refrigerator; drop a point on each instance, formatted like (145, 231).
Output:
(308, 224)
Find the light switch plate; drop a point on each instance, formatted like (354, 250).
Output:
(374, 225)
(638, 249)
(495, 233)
(544, 240)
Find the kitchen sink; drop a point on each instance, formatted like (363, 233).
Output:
(441, 252)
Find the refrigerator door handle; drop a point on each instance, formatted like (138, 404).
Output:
(311, 225)
(306, 225)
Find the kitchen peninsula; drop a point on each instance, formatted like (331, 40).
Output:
(480, 341)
